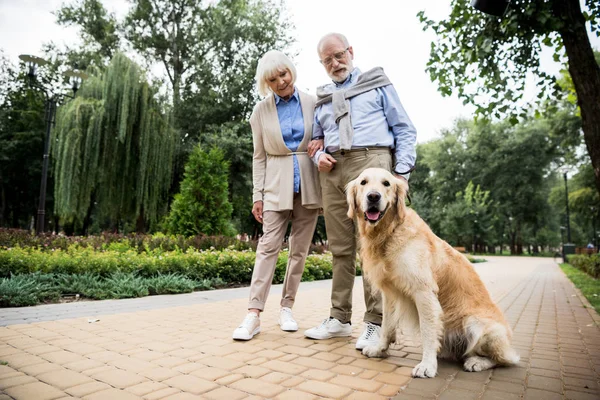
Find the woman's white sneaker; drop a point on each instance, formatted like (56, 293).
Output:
(250, 326)
(329, 328)
(286, 320)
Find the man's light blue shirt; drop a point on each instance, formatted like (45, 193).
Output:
(378, 119)
(291, 122)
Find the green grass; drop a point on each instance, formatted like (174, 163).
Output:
(589, 286)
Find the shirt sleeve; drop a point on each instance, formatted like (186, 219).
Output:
(317, 134)
(259, 160)
(405, 134)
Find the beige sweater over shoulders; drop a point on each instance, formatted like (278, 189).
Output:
(273, 164)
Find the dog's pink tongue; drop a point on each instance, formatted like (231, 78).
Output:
(373, 215)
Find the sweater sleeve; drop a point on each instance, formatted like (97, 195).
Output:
(259, 158)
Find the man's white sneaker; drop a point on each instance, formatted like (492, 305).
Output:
(250, 326)
(370, 336)
(329, 328)
(286, 320)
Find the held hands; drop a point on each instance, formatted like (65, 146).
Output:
(314, 146)
(257, 211)
(326, 162)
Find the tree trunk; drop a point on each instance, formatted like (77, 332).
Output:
(585, 73)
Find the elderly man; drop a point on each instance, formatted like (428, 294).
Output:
(363, 124)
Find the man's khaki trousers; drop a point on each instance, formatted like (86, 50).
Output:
(275, 225)
(341, 233)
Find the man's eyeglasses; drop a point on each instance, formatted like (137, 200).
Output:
(338, 56)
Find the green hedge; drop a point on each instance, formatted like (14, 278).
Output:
(590, 264)
(233, 267)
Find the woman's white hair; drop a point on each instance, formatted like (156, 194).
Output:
(272, 62)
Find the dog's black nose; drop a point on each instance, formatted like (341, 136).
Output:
(373, 197)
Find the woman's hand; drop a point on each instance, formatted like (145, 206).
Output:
(257, 211)
(314, 146)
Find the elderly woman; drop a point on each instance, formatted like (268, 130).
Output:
(286, 186)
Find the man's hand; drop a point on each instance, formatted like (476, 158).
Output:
(326, 162)
(400, 177)
(314, 146)
(257, 211)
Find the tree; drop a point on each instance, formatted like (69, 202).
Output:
(202, 206)
(488, 59)
(113, 150)
(21, 147)
(99, 31)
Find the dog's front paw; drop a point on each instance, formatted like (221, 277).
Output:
(425, 370)
(374, 351)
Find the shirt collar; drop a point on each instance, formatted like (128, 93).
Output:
(294, 96)
(351, 78)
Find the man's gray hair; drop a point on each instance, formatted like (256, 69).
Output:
(271, 62)
(336, 35)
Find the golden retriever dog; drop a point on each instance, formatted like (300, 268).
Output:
(424, 282)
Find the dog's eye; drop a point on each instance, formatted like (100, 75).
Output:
(363, 182)
(386, 183)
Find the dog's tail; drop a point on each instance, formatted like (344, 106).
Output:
(492, 341)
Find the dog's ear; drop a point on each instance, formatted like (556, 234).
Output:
(351, 198)
(401, 191)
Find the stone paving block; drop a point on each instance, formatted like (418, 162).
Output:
(507, 387)
(365, 385)
(295, 395)
(293, 381)
(191, 384)
(112, 394)
(87, 388)
(252, 371)
(457, 394)
(536, 394)
(270, 354)
(284, 367)
(275, 377)
(469, 385)
(389, 390)
(20, 360)
(16, 380)
(392, 378)
(62, 357)
(381, 366)
(159, 373)
(63, 379)
(301, 351)
(119, 378)
(224, 393)
(310, 362)
(229, 379)
(499, 395)
(146, 387)
(572, 395)
(352, 370)
(222, 362)
(161, 394)
(544, 383)
(358, 395)
(545, 372)
(324, 389)
(258, 387)
(35, 390)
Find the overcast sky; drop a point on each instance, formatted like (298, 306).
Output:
(383, 33)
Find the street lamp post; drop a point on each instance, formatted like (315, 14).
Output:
(568, 248)
(52, 100)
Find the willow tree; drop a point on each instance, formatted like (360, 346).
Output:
(113, 150)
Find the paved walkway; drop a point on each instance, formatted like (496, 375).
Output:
(179, 347)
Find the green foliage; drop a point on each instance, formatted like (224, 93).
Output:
(113, 150)
(589, 286)
(111, 241)
(21, 147)
(202, 206)
(488, 60)
(590, 264)
(99, 31)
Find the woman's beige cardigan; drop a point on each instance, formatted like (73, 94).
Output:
(273, 162)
